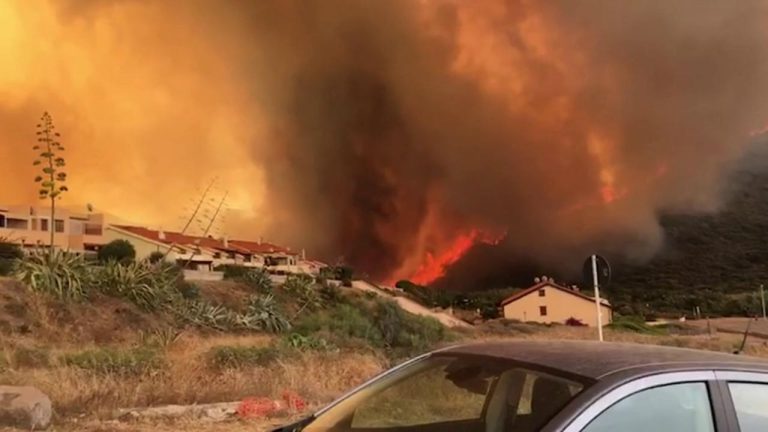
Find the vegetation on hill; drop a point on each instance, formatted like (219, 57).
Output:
(715, 262)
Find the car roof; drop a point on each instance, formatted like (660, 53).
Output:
(596, 360)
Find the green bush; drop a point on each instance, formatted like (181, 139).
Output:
(635, 325)
(382, 324)
(148, 286)
(344, 321)
(262, 314)
(156, 257)
(258, 279)
(108, 361)
(308, 343)
(302, 290)
(233, 271)
(188, 290)
(118, 250)
(406, 333)
(10, 253)
(234, 357)
(61, 274)
(31, 357)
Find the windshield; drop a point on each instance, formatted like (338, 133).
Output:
(447, 393)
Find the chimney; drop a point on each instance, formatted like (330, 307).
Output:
(225, 240)
(161, 234)
(261, 240)
(303, 254)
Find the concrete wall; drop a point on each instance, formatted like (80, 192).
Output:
(560, 306)
(203, 275)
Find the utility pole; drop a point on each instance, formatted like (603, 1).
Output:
(597, 299)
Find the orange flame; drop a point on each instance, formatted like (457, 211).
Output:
(434, 265)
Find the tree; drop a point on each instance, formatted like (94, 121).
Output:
(53, 179)
(119, 250)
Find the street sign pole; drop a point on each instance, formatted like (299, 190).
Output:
(597, 299)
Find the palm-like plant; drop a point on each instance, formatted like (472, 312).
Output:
(61, 274)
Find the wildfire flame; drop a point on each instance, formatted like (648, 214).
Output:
(434, 265)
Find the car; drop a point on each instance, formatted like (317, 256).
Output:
(554, 386)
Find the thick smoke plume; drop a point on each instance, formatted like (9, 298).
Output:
(385, 132)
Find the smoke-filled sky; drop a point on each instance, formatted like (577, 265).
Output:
(387, 131)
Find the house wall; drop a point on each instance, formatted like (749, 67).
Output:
(23, 225)
(560, 306)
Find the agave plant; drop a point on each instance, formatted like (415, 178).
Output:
(204, 314)
(258, 279)
(148, 286)
(264, 314)
(302, 288)
(61, 274)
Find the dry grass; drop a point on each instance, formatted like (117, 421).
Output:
(187, 378)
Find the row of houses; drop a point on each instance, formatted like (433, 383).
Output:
(85, 233)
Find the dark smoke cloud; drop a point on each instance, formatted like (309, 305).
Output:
(379, 130)
(379, 126)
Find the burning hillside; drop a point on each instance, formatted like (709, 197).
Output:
(395, 134)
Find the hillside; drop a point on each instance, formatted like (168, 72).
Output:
(713, 261)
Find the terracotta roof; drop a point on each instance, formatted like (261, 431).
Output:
(540, 285)
(170, 237)
(262, 247)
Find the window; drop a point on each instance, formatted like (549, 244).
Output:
(58, 225)
(2, 221)
(43, 224)
(543, 310)
(412, 402)
(672, 408)
(449, 393)
(542, 292)
(750, 400)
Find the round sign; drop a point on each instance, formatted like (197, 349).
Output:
(603, 271)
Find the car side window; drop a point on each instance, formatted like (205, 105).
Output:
(751, 403)
(682, 407)
(432, 397)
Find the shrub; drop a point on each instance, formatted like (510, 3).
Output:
(188, 290)
(10, 253)
(234, 357)
(156, 257)
(330, 293)
(204, 314)
(146, 285)
(108, 361)
(344, 321)
(311, 342)
(31, 357)
(232, 271)
(263, 313)
(258, 279)
(635, 325)
(301, 288)
(61, 274)
(404, 332)
(160, 338)
(574, 322)
(118, 250)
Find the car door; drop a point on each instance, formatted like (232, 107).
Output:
(667, 402)
(746, 396)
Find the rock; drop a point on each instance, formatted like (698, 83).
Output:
(25, 407)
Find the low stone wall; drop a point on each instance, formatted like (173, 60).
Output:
(200, 275)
